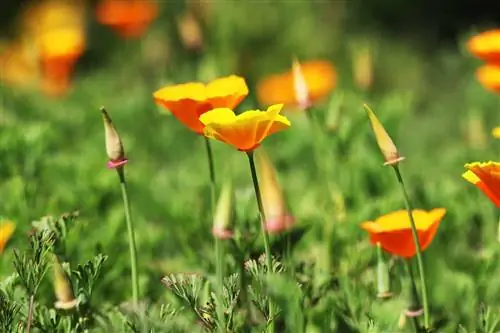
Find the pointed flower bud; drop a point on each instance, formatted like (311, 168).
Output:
(384, 141)
(383, 279)
(277, 217)
(62, 288)
(114, 146)
(224, 216)
(300, 86)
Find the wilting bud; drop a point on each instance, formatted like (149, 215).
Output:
(190, 31)
(6, 230)
(383, 279)
(363, 66)
(384, 141)
(300, 86)
(224, 216)
(275, 210)
(62, 288)
(114, 146)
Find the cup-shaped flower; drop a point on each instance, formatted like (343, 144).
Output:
(245, 131)
(384, 141)
(486, 176)
(128, 18)
(489, 77)
(393, 231)
(486, 45)
(188, 101)
(317, 76)
(224, 216)
(62, 287)
(277, 217)
(114, 146)
(6, 230)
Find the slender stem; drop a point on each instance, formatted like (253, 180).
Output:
(267, 246)
(417, 246)
(131, 236)
(30, 313)
(414, 295)
(219, 246)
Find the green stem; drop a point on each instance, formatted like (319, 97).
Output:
(413, 294)
(417, 246)
(219, 248)
(131, 236)
(30, 313)
(267, 246)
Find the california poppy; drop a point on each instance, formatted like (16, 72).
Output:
(18, 68)
(319, 77)
(190, 100)
(6, 230)
(393, 231)
(246, 130)
(129, 18)
(486, 176)
(486, 45)
(489, 77)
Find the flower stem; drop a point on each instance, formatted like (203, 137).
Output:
(417, 246)
(131, 236)
(413, 295)
(219, 248)
(30, 313)
(267, 246)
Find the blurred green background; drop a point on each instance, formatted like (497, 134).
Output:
(52, 156)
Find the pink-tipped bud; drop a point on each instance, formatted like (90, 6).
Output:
(224, 216)
(62, 288)
(114, 146)
(277, 217)
(384, 141)
(300, 86)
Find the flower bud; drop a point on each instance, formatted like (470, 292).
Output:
(114, 146)
(224, 214)
(190, 31)
(300, 86)
(363, 66)
(384, 141)
(62, 288)
(277, 217)
(6, 230)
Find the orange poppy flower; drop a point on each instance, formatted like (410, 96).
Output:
(486, 45)
(190, 100)
(246, 130)
(393, 231)
(486, 176)
(6, 230)
(129, 18)
(18, 68)
(319, 77)
(489, 77)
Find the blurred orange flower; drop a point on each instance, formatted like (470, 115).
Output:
(393, 231)
(319, 77)
(486, 176)
(6, 230)
(489, 76)
(18, 67)
(190, 100)
(244, 131)
(486, 45)
(128, 18)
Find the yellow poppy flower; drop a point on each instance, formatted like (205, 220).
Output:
(496, 132)
(6, 230)
(486, 176)
(246, 130)
(486, 45)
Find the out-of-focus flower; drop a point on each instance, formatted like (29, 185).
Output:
(384, 141)
(489, 77)
(224, 216)
(496, 132)
(486, 176)
(62, 288)
(486, 45)
(190, 100)
(129, 18)
(7, 229)
(362, 65)
(393, 231)
(244, 131)
(277, 217)
(114, 146)
(190, 31)
(18, 67)
(319, 76)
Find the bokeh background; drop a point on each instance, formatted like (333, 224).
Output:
(406, 59)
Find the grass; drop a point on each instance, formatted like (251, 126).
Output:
(53, 161)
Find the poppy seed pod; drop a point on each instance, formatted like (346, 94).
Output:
(62, 288)
(383, 279)
(384, 141)
(114, 146)
(224, 215)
